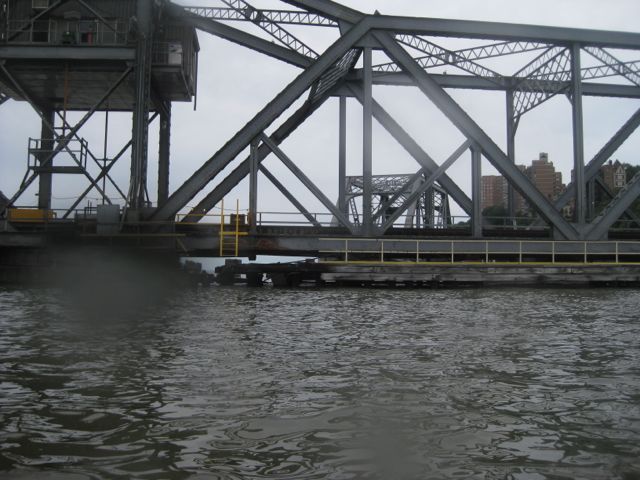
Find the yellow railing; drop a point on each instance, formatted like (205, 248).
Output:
(352, 251)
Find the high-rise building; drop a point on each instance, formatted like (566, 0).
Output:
(494, 191)
(542, 173)
(544, 176)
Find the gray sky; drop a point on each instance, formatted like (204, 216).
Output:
(235, 83)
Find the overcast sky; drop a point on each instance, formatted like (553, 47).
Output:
(235, 83)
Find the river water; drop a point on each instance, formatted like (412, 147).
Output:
(321, 383)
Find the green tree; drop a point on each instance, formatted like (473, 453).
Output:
(495, 215)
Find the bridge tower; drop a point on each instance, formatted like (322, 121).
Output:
(94, 56)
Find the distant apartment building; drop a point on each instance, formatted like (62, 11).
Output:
(614, 175)
(541, 172)
(495, 190)
(544, 176)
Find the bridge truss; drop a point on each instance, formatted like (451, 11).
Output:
(416, 56)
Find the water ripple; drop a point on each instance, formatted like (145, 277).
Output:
(237, 383)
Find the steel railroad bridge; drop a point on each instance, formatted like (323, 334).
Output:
(140, 56)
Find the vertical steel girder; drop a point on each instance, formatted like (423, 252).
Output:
(164, 153)
(578, 137)
(415, 150)
(431, 180)
(476, 188)
(512, 128)
(342, 156)
(140, 132)
(254, 163)
(367, 144)
(289, 196)
(313, 188)
(45, 180)
(258, 124)
(472, 131)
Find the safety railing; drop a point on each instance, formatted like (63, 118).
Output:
(69, 32)
(488, 252)
(77, 149)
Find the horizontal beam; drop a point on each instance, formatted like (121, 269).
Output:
(506, 31)
(282, 17)
(467, 82)
(475, 29)
(47, 52)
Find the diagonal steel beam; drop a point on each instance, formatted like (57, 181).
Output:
(241, 172)
(67, 125)
(620, 204)
(474, 132)
(258, 124)
(289, 196)
(104, 172)
(431, 180)
(415, 150)
(408, 185)
(306, 181)
(241, 38)
(630, 214)
(593, 167)
(41, 14)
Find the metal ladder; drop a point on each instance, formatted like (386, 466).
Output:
(230, 239)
